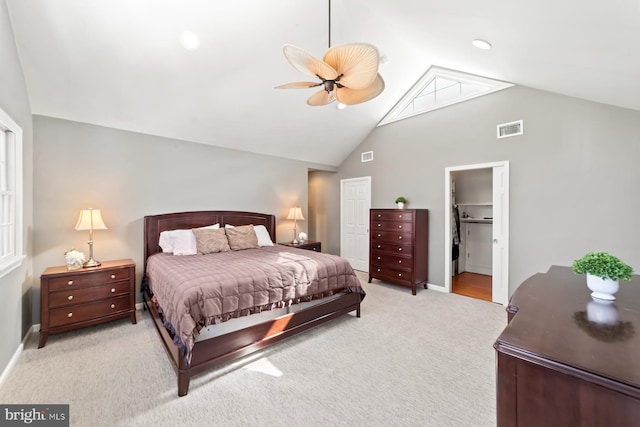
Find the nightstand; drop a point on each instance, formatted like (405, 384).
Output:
(307, 244)
(79, 298)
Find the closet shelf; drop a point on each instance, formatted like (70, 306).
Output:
(477, 220)
(475, 204)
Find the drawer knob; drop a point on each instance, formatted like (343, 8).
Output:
(379, 235)
(378, 225)
(113, 276)
(400, 237)
(400, 249)
(379, 246)
(378, 270)
(70, 297)
(378, 257)
(113, 306)
(70, 315)
(379, 215)
(400, 216)
(399, 261)
(399, 274)
(70, 282)
(113, 290)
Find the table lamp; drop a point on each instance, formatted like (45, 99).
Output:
(295, 214)
(90, 219)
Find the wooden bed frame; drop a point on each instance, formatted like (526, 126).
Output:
(225, 348)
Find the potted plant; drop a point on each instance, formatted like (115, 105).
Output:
(400, 201)
(604, 272)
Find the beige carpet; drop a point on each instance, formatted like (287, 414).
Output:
(424, 360)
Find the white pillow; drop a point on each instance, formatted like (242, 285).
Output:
(180, 242)
(264, 239)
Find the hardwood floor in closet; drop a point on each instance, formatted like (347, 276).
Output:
(472, 285)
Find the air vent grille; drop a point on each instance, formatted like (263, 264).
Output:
(510, 129)
(366, 156)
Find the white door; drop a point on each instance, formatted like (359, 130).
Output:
(355, 202)
(500, 252)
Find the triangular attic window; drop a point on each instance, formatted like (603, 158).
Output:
(440, 87)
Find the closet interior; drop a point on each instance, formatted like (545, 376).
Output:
(472, 220)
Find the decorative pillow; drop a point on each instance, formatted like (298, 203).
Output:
(184, 239)
(211, 240)
(242, 237)
(264, 239)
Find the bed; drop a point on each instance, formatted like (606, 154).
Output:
(233, 322)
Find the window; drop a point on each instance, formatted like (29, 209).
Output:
(440, 87)
(11, 233)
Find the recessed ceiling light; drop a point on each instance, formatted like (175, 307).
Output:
(481, 44)
(189, 40)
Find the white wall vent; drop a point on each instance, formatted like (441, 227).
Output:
(510, 129)
(366, 156)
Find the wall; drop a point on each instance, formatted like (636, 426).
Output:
(574, 174)
(129, 175)
(15, 288)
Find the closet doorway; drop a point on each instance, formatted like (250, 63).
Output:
(477, 229)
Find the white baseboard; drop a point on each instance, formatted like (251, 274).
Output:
(438, 288)
(140, 306)
(16, 356)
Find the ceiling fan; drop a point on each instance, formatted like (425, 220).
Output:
(348, 72)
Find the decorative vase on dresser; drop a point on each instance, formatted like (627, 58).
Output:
(399, 246)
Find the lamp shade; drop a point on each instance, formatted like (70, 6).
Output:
(90, 219)
(295, 213)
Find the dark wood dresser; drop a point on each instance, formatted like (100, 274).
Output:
(399, 246)
(567, 360)
(89, 296)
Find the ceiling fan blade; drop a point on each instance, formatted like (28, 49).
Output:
(298, 85)
(357, 62)
(321, 97)
(308, 64)
(350, 96)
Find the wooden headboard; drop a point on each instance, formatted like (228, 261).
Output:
(156, 224)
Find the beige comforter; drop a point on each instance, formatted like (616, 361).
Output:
(198, 290)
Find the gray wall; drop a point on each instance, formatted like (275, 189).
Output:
(15, 288)
(129, 175)
(574, 174)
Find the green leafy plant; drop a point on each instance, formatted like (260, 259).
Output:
(603, 265)
(401, 200)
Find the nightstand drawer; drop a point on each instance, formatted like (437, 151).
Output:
(84, 312)
(396, 248)
(88, 278)
(93, 293)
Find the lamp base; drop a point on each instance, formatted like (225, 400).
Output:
(91, 263)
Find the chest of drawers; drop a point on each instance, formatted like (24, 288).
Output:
(80, 298)
(398, 249)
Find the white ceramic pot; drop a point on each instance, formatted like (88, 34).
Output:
(400, 205)
(602, 288)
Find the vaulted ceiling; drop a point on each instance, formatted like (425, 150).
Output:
(120, 63)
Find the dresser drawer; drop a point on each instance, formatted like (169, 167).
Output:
(81, 313)
(391, 247)
(88, 279)
(390, 236)
(405, 227)
(391, 274)
(391, 216)
(399, 262)
(92, 293)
